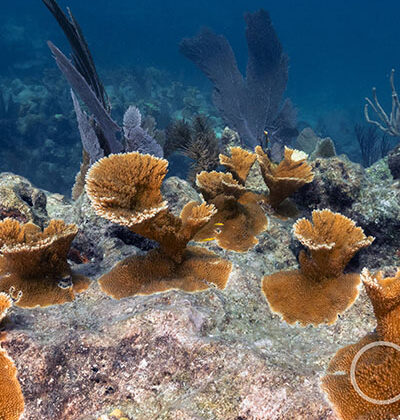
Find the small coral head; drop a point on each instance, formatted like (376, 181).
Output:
(213, 184)
(332, 239)
(239, 163)
(125, 188)
(285, 178)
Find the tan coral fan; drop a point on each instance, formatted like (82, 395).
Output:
(5, 304)
(237, 222)
(156, 273)
(11, 398)
(319, 291)
(332, 239)
(135, 197)
(285, 178)
(239, 164)
(125, 188)
(377, 371)
(213, 184)
(33, 262)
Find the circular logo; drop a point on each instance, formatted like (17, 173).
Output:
(353, 372)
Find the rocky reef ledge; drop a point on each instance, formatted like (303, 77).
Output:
(212, 355)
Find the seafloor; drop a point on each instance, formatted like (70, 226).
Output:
(212, 355)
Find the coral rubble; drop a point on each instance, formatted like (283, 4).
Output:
(125, 189)
(320, 290)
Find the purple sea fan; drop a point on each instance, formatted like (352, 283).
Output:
(253, 104)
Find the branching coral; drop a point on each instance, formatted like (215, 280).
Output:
(376, 371)
(34, 262)
(389, 124)
(125, 189)
(11, 398)
(319, 291)
(285, 178)
(239, 218)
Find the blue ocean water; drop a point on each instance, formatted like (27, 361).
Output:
(337, 50)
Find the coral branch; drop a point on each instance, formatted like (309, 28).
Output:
(390, 124)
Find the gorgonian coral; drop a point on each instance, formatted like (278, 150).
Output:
(319, 291)
(125, 189)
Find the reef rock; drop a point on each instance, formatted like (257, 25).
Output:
(337, 185)
(394, 162)
(20, 200)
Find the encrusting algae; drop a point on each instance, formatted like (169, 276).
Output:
(11, 398)
(125, 189)
(369, 387)
(319, 291)
(48, 278)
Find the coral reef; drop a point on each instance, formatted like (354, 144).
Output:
(285, 178)
(253, 104)
(125, 189)
(220, 353)
(376, 373)
(373, 146)
(48, 278)
(319, 291)
(337, 184)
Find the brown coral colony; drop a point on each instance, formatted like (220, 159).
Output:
(319, 291)
(377, 371)
(125, 189)
(48, 278)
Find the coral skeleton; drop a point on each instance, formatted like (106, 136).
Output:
(389, 124)
(377, 370)
(319, 291)
(125, 188)
(47, 279)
